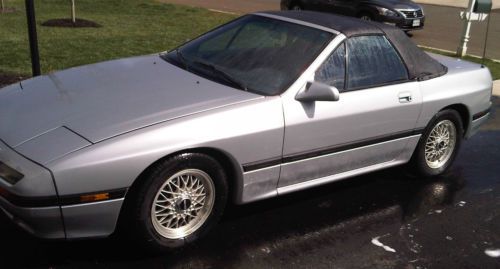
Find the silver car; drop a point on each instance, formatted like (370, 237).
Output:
(265, 105)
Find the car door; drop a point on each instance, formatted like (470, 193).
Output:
(369, 125)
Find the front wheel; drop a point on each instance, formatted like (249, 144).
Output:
(365, 17)
(180, 200)
(439, 144)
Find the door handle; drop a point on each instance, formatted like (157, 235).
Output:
(405, 97)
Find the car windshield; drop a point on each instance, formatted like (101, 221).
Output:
(253, 53)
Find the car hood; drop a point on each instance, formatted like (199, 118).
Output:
(103, 100)
(395, 4)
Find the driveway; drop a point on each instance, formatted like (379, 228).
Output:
(442, 30)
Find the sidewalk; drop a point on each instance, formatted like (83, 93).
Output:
(496, 88)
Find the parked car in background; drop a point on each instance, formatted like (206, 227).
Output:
(268, 104)
(404, 14)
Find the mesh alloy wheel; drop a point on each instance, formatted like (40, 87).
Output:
(366, 18)
(177, 201)
(183, 203)
(440, 144)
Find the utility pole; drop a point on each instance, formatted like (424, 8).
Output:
(35, 57)
(73, 12)
(478, 10)
(462, 48)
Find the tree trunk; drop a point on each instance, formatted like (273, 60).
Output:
(73, 11)
(2, 6)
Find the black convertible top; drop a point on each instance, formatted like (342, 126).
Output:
(420, 65)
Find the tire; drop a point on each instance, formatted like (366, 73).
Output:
(184, 180)
(296, 7)
(408, 33)
(365, 16)
(441, 152)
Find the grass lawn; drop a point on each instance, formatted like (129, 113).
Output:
(130, 27)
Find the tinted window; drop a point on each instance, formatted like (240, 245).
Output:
(218, 42)
(372, 61)
(250, 36)
(332, 71)
(263, 54)
(259, 35)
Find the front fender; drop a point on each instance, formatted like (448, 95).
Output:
(248, 132)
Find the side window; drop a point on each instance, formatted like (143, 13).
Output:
(372, 61)
(332, 71)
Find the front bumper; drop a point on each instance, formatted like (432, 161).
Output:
(404, 23)
(32, 202)
(43, 222)
(34, 205)
(88, 220)
(409, 24)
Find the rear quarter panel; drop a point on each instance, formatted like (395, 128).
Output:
(465, 83)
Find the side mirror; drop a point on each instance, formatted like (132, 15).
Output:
(316, 91)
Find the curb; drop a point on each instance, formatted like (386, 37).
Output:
(496, 88)
(453, 52)
(224, 12)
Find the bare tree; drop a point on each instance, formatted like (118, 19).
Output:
(73, 11)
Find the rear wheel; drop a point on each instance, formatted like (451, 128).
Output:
(365, 16)
(180, 200)
(296, 7)
(439, 144)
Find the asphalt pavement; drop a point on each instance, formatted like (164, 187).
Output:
(442, 30)
(387, 219)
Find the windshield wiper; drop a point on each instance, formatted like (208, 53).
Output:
(223, 75)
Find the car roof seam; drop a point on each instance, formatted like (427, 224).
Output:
(309, 24)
